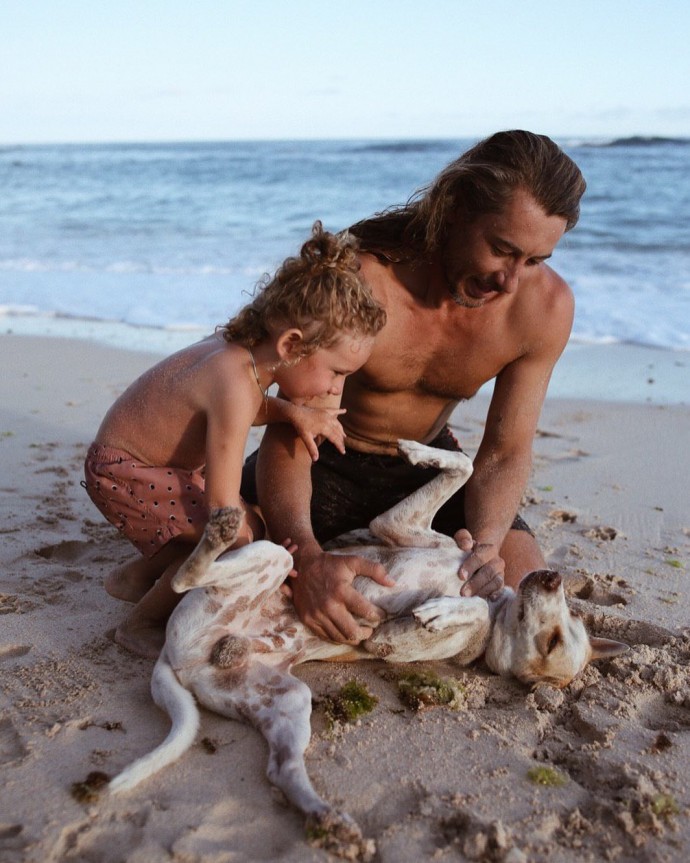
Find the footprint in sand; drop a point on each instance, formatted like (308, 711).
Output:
(563, 515)
(12, 840)
(68, 551)
(596, 593)
(12, 749)
(657, 714)
(601, 533)
(608, 625)
(13, 651)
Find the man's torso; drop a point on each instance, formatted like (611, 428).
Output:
(428, 357)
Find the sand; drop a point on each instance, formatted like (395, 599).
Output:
(608, 500)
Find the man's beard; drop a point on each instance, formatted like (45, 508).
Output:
(460, 299)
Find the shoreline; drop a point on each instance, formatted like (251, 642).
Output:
(618, 372)
(608, 502)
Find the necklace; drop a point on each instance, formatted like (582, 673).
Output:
(264, 392)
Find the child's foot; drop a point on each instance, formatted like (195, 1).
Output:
(143, 630)
(143, 639)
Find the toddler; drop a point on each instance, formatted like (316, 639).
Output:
(171, 448)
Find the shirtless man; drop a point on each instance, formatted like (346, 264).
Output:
(461, 271)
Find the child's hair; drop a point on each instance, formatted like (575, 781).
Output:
(320, 292)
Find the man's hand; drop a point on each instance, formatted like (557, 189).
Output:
(327, 602)
(483, 568)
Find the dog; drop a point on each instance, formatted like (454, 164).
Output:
(233, 639)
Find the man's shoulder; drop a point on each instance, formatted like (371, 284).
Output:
(553, 293)
(547, 313)
(380, 273)
(558, 291)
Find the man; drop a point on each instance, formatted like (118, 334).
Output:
(461, 271)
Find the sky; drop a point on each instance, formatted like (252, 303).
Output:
(183, 70)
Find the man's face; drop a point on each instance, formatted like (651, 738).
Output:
(489, 255)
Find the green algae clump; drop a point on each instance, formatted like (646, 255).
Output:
(353, 701)
(421, 689)
(547, 776)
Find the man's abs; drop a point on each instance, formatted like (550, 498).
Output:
(375, 421)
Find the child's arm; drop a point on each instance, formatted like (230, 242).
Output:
(231, 405)
(309, 423)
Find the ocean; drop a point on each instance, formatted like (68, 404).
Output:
(149, 246)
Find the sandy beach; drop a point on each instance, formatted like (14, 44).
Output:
(608, 500)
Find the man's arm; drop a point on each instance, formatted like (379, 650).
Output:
(501, 471)
(503, 462)
(323, 593)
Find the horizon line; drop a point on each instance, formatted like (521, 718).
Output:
(583, 137)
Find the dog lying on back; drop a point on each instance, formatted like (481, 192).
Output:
(232, 641)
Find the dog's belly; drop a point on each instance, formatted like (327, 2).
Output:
(205, 617)
(419, 574)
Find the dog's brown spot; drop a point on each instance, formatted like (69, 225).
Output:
(272, 687)
(268, 613)
(375, 648)
(229, 651)
(231, 611)
(212, 606)
(257, 601)
(229, 678)
(259, 646)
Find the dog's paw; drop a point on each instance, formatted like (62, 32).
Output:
(338, 834)
(441, 612)
(453, 461)
(433, 615)
(414, 452)
(223, 526)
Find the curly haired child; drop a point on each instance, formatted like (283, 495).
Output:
(171, 448)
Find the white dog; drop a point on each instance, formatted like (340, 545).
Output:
(233, 640)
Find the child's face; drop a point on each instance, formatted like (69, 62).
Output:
(323, 373)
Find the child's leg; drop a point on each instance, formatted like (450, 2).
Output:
(143, 630)
(132, 581)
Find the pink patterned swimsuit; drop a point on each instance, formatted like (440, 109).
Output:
(149, 505)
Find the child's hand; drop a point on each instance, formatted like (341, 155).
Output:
(311, 423)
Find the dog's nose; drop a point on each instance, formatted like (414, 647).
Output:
(547, 579)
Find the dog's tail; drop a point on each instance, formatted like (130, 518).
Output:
(179, 704)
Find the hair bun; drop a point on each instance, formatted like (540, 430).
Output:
(326, 251)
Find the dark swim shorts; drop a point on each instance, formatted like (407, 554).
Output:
(349, 490)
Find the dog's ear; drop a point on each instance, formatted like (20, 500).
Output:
(607, 648)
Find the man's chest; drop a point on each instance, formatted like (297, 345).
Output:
(428, 353)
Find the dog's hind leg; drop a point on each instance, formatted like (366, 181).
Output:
(279, 705)
(408, 523)
(258, 567)
(440, 628)
(220, 533)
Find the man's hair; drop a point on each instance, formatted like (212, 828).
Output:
(480, 181)
(320, 292)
